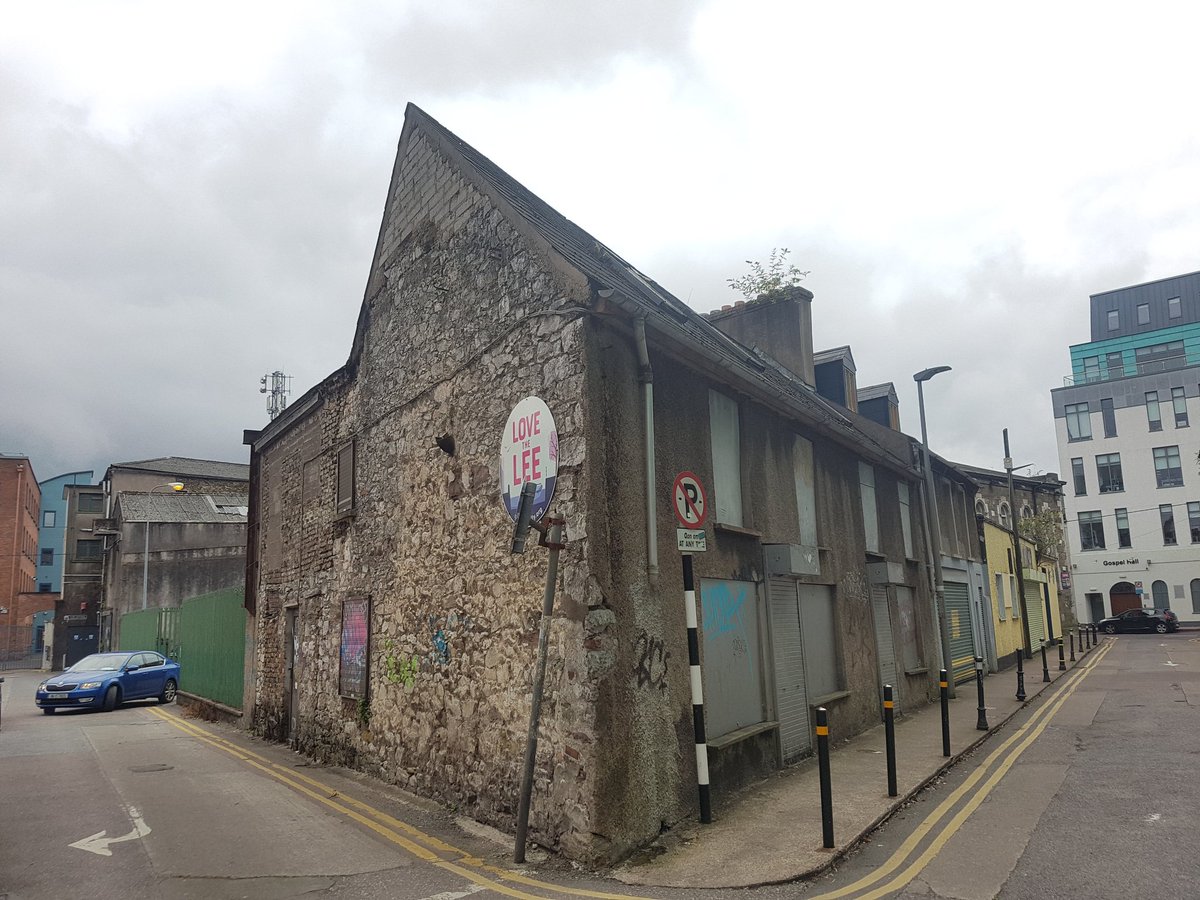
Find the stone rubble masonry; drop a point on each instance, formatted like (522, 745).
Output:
(463, 318)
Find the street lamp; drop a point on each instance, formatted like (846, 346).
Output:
(176, 486)
(935, 528)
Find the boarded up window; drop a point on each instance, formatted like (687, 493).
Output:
(352, 663)
(345, 479)
(732, 656)
(725, 433)
(806, 494)
(818, 630)
(908, 628)
(866, 486)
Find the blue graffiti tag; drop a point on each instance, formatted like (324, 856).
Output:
(723, 603)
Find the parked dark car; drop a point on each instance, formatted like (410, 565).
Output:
(1148, 619)
(105, 679)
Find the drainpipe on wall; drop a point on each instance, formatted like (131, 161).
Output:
(646, 380)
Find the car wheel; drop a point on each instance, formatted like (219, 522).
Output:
(1161, 628)
(110, 698)
(1110, 629)
(168, 692)
(47, 710)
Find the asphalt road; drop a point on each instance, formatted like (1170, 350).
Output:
(1102, 801)
(1089, 793)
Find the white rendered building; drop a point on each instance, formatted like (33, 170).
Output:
(1128, 428)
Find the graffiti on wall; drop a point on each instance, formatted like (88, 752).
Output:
(724, 605)
(652, 661)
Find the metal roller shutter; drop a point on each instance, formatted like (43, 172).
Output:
(885, 644)
(787, 649)
(962, 633)
(1037, 613)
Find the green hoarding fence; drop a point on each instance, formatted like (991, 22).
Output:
(207, 636)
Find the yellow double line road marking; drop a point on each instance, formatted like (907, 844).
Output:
(424, 846)
(1026, 735)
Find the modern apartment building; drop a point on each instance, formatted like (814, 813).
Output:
(1128, 426)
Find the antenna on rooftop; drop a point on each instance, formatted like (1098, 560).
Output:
(277, 386)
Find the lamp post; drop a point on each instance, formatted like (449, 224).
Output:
(175, 486)
(935, 527)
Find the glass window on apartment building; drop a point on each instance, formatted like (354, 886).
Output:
(1079, 477)
(1153, 416)
(1002, 514)
(1166, 514)
(1160, 357)
(1091, 530)
(91, 503)
(1143, 313)
(1114, 364)
(1108, 414)
(1079, 422)
(1174, 309)
(1123, 527)
(1194, 521)
(1114, 320)
(1091, 368)
(1167, 468)
(1001, 602)
(1158, 591)
(47, 557)
(48, 518)
(1108, 471)
(1179, 402)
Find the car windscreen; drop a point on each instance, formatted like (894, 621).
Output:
(101, 662)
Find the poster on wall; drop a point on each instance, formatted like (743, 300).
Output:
(352, 668)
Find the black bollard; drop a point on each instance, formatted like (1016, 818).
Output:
(1091, 636)
(1072, 646)
(1045, 668)
(982, 723)
(944, 686)
(1062, 659)
(823, 766)
(889, 736)
(1020, 676)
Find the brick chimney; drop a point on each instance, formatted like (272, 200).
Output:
(779, 324)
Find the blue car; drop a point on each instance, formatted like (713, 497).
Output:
(103, 680)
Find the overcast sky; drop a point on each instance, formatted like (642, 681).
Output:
(190, 193)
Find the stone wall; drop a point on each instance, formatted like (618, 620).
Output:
(465, 315)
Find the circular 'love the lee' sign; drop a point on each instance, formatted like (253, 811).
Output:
(529, 455)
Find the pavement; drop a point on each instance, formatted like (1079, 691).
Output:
(771, 833)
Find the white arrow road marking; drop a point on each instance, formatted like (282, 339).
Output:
(98, 843)
(1169, 663)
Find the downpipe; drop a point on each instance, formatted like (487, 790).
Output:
(646, 381)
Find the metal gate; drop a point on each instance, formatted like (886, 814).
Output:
(885, 644)
(1037, 615)
(787, 649)
(962, 632)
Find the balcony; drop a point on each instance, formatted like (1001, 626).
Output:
(1147, 366)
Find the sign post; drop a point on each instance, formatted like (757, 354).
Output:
(528, 471)
(691, 510)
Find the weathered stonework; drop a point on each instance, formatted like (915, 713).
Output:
(469, 309)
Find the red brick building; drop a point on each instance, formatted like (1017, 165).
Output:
(20, 500)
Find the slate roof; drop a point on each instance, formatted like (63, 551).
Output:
(665, 313)
(1049, 481)
(872, 391)
(183, 467)
(136, 506)
(843, 353)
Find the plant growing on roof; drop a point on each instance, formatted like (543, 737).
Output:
(776, 275)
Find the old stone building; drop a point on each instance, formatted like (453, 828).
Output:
(394, 631)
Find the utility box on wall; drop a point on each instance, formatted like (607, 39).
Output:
(885, 572)
(791, 559)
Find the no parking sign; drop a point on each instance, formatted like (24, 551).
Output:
(691, 509)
